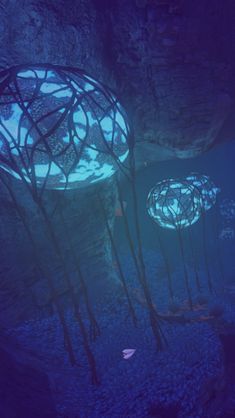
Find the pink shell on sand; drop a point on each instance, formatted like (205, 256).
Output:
(128, 352)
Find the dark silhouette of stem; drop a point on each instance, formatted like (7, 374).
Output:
(67, 339)
(209, 281)
(143, 280)
(217, 242)
(94, 327)
(185, 269)
(90, 357)
(195, 266)
(168, 274)
(152, 312)
(116, 257)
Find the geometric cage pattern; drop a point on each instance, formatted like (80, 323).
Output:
(59, 128)
(174, 204)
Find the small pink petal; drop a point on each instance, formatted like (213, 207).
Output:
(128, 352)
(127, 356)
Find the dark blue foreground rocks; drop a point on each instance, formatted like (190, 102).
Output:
(24, 388)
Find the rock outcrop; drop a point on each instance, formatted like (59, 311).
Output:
(24, 388)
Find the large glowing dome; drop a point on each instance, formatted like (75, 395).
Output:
(174, 204)
(59, 128)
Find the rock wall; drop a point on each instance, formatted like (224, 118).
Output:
(24, 285)
(171, 62)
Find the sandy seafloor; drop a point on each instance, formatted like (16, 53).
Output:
(188, 379)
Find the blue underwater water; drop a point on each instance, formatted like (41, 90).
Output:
(193, 376)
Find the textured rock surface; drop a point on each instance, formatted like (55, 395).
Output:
(175, 72)
(24, 289)
(171, 62)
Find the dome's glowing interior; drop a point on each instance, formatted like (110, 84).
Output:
(60, 128)
(174, 204)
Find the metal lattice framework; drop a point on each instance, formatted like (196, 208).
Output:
(174, 204)
(206, 187)
(60, 128)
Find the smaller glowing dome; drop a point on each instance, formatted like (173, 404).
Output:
(174, 204)
(227, 233)
(227, 209)
(206, 187)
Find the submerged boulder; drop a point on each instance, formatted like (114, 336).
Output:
(24, 387)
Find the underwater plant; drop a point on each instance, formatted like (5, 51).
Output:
(118, 264)
(136, 252)
(59, 129)
(194, 260)
(208, 191)
(175, 204)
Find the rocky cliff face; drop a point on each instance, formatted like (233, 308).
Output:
(170, 62)
(174, 72)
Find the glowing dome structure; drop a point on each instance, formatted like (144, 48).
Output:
(227, 233)
(59, 128)
(227, 209)
(206, 187)
(174, 204)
